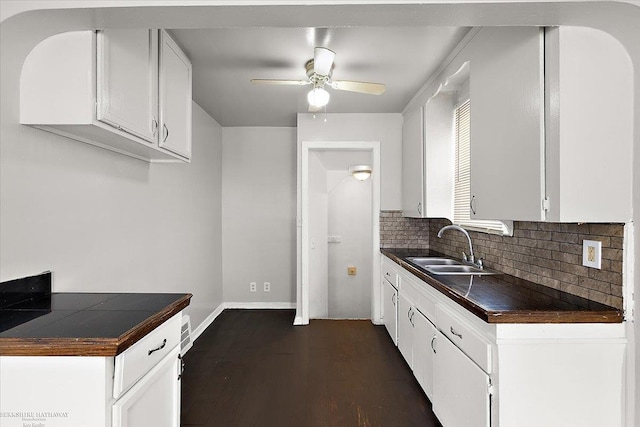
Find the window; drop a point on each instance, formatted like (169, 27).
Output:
(462, 179)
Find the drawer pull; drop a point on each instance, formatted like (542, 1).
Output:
(453, 331)
(164, 342)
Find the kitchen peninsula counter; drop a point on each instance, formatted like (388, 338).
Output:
(503, 298)
(83, 324)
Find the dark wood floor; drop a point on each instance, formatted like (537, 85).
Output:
(253, 368)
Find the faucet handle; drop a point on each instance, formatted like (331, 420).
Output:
(464, 256)
(480, 263)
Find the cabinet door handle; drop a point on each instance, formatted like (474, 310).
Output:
(420, 208)
(154, 126)
(453, 331)
(166, 132)
(471, 205)
(164, 342)
(409, 314)
(393, 299)
(432, 347)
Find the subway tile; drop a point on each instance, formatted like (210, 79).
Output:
(607, 229)
(565, 237)
(546, 253)
(595, 285)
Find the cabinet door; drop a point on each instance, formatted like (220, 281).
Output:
(154, 400)
(127, 81)
(405, 328)
(507, 139)
(175, 98)
(424, 334)
(390, 307)
(413, 164)
(461, 389)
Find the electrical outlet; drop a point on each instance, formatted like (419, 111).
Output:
(253, 287)
(592, 253)
(267, 286)
(334, 239)
(351, 270)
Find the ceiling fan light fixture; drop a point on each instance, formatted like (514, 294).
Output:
(360, 172)
(318, 97)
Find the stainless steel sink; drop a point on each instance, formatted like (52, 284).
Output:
(429, 261)
(459, 269)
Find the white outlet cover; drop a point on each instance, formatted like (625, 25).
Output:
(597, 248)
(334, 239)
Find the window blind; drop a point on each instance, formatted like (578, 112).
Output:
(462, 190)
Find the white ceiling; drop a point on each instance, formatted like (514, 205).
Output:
(225, 59)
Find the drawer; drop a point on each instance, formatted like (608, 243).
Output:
(465, 337)
(413, 291)
(137, 360)
(389, 272)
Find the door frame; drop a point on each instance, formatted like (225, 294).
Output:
(302, 300)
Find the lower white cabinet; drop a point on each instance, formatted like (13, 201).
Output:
(424, 334)
(415, 334)
(462, 396)
(155, 399)
(405, 329)
(390, 309)
(478, 374)
(97, 391)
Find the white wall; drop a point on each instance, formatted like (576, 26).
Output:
(386, 128)
(258, 213)
(350, 209)
(104, 222)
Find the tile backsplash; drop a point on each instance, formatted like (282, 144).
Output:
(546, 253)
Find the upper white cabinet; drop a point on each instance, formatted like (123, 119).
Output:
(589, 126)
(175, 97)
(102, 88)
(507, 127)
(127, 81)
(427, 159)
(413, 180)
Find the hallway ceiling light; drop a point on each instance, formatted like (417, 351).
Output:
(360, 172)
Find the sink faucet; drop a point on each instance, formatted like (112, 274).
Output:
(471, 259)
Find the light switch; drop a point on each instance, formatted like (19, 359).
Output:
(592, 253)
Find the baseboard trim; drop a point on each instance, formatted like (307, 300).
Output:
(208, 321)
(260, 305)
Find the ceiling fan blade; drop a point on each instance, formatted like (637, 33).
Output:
(280, 82)
(323, 60)
(361, 87)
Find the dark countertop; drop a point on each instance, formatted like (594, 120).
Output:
(83, 324)
(507, 299)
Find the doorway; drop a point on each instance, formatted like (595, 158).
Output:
(340, 232)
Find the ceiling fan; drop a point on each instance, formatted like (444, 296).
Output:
(319, 72)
